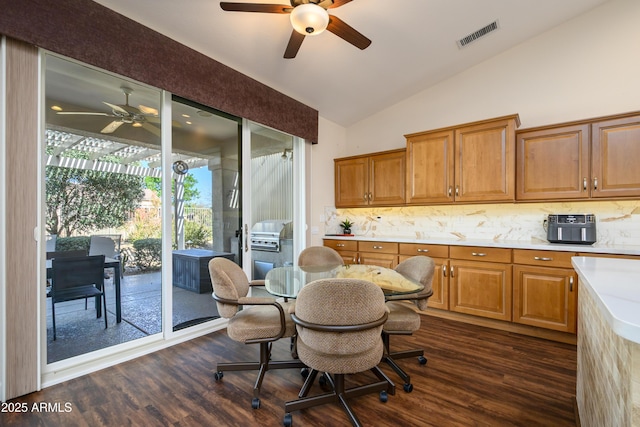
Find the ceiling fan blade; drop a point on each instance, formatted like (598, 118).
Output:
(343, 30)
(255, 7)
(148, 110)
(294, 44)
(111, 127)
(338, 3)
(84, 113)
(117, 108)
(151, 128)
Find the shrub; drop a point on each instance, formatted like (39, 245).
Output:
(197, 234)
(147, 253)
(73, 243)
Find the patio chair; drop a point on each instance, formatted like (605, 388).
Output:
(77, 278)
(51, 240)
(107, 245)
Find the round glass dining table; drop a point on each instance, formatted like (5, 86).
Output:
(287, 281)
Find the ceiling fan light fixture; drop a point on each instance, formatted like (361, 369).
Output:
(309, 19)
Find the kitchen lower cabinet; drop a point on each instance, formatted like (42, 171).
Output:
(373, 253)
(480, 288)
(545, 290)
(440, 284)
(545, 297)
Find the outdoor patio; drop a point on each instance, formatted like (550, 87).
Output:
(79, 331)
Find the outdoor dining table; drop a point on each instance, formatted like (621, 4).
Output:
(108, 263)
(287, 281)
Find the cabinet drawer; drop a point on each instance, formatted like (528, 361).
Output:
(382, 247)
(543, 258)
(433, 251)
(342, 245)
(478, 253)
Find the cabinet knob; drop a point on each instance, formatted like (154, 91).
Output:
(478, 254)
(542, 258)
(451, 271)
(365, 197)
(584, 183)
(377, 247)
(450, 190)
(595, 183)
(457, 190)
(423, 250)
(340, 245)
(571, 284)
(444, 271)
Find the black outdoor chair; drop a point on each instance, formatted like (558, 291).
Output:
(77, 278)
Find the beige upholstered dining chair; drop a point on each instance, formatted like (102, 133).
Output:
(403, 317)
(319, 256)
(339, 324)
(252, 320)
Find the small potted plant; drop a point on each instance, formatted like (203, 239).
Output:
(346, 226)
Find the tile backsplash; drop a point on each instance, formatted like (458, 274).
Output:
(617, 223)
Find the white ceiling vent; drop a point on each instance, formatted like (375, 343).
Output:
(478, 34)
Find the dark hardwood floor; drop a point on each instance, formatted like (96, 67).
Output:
(475, 377)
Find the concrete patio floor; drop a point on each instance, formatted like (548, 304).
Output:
(79, 331)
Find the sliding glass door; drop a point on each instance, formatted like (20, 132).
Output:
(206, 205)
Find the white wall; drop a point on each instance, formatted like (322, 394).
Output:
(587, 67)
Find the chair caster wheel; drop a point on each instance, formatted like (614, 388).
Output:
(323, 380)
(304, 372)
(422, 360)
(218, 375)
(255, 403)
(384, 396)
(408, 388)
(288, 420)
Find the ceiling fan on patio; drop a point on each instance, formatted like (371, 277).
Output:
(308, 18)
(142, 116)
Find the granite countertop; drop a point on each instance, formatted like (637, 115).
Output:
(541, 245)
(615, 285)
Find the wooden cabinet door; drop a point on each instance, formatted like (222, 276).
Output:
(481, 289)
(386, 179)
(485, 161)
(615, 150)
(440, 284)
(545, 297)
(553, 163)
(430, 168)
(352, 182)
(378, 258)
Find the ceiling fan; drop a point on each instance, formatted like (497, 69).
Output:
(308, 18)
(142, 116)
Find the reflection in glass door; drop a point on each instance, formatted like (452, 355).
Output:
(271, 200)
(206, 205)
(101, 142)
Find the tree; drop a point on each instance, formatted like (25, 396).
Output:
(190, 190)
(80, 200)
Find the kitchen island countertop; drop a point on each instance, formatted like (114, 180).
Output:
(615, 286)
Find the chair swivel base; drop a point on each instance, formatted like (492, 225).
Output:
(391, 357)
(264, 365)
(339, 394)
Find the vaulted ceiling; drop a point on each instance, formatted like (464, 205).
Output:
(414, 44)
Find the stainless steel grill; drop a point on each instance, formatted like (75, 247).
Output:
(267, 235)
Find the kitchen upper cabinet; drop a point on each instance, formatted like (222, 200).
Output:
(430, 167)
(468, 163)
(372, 180)
(553, 163)
(615, 150)
(585, 160)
